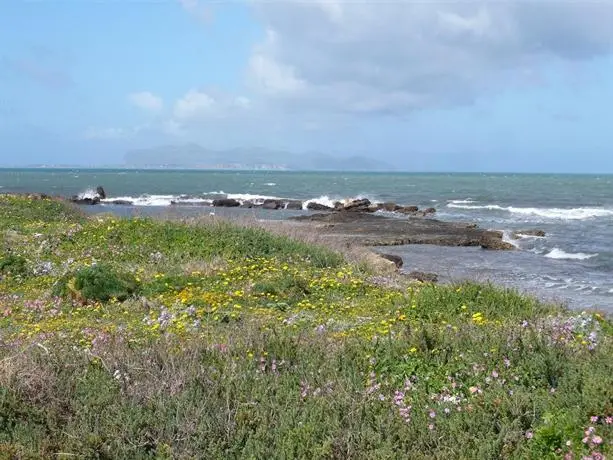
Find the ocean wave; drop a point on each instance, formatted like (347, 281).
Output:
(329, 201)
(156, 200)
(270, 184)
(249, 197)
(90, 193)
(507, 237)
(464, 201)
(557, 253)
(548, 213)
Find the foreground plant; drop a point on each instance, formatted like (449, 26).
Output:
(143, 339)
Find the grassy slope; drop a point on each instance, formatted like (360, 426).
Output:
(234, 343)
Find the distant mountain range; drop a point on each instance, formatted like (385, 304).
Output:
(196, 156)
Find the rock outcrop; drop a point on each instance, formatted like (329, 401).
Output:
(530, 232)
(375, 230)
(226, 203)
(314, 206)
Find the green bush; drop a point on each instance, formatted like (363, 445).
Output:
(13, 265)
(97, 283)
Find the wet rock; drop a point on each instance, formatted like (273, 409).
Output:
(389, 206)
(294, 205)
(492, 242)
(407, 209)
(226, 203)
(429, 211)
(314, 206)
(125, 202)
(85, 201)
(272, 204)
(247, 204)
(360, 205)
(100, 192)
(393, 258)
(529, 232)
(423, 277)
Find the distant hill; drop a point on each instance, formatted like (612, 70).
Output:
(196, 156)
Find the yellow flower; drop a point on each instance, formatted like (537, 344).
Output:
(413, 350)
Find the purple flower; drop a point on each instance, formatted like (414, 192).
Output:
(432, 414)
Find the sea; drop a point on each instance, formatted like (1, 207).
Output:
(572, 264)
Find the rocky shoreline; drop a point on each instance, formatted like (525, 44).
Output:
(361, 222)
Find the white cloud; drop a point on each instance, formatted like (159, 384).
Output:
(146, 101)
(194, 104)
(395, 57)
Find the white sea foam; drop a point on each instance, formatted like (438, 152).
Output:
(249, 197)
(557, 253)
(329, 201)
(151, 200)
(324, 199)
(549, 213)
(89, 193)
(270, 184)
(507, 237)
(465, 201)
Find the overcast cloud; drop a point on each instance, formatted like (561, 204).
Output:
(394, 57)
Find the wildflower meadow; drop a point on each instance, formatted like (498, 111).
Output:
(154, 338)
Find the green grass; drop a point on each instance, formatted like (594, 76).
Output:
(137, 338)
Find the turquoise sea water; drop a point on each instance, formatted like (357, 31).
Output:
(573, 263)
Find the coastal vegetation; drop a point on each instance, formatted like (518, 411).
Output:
(156, 338)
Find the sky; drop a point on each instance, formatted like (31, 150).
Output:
(463, 85)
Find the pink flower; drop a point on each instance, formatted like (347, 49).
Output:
(597, 440)
(529, 435)
(609, 420)
(495, 374)
(431, 427)
(594, 419)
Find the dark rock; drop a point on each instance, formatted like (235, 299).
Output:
(429, 211)
(272, 204)
(533, 232)
(423, 277)
(360, 205)
(492, 242)
(247, 204)
(394, 258)
(374, 207)
(125, 202)
(101, 193)
(294, 205)
(314, 206)
(407, 209)
(338, 206)
(375, 230)
(85, 201)
(390, 207)
(226, 203)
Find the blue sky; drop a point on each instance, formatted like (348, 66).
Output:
(452, 86)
